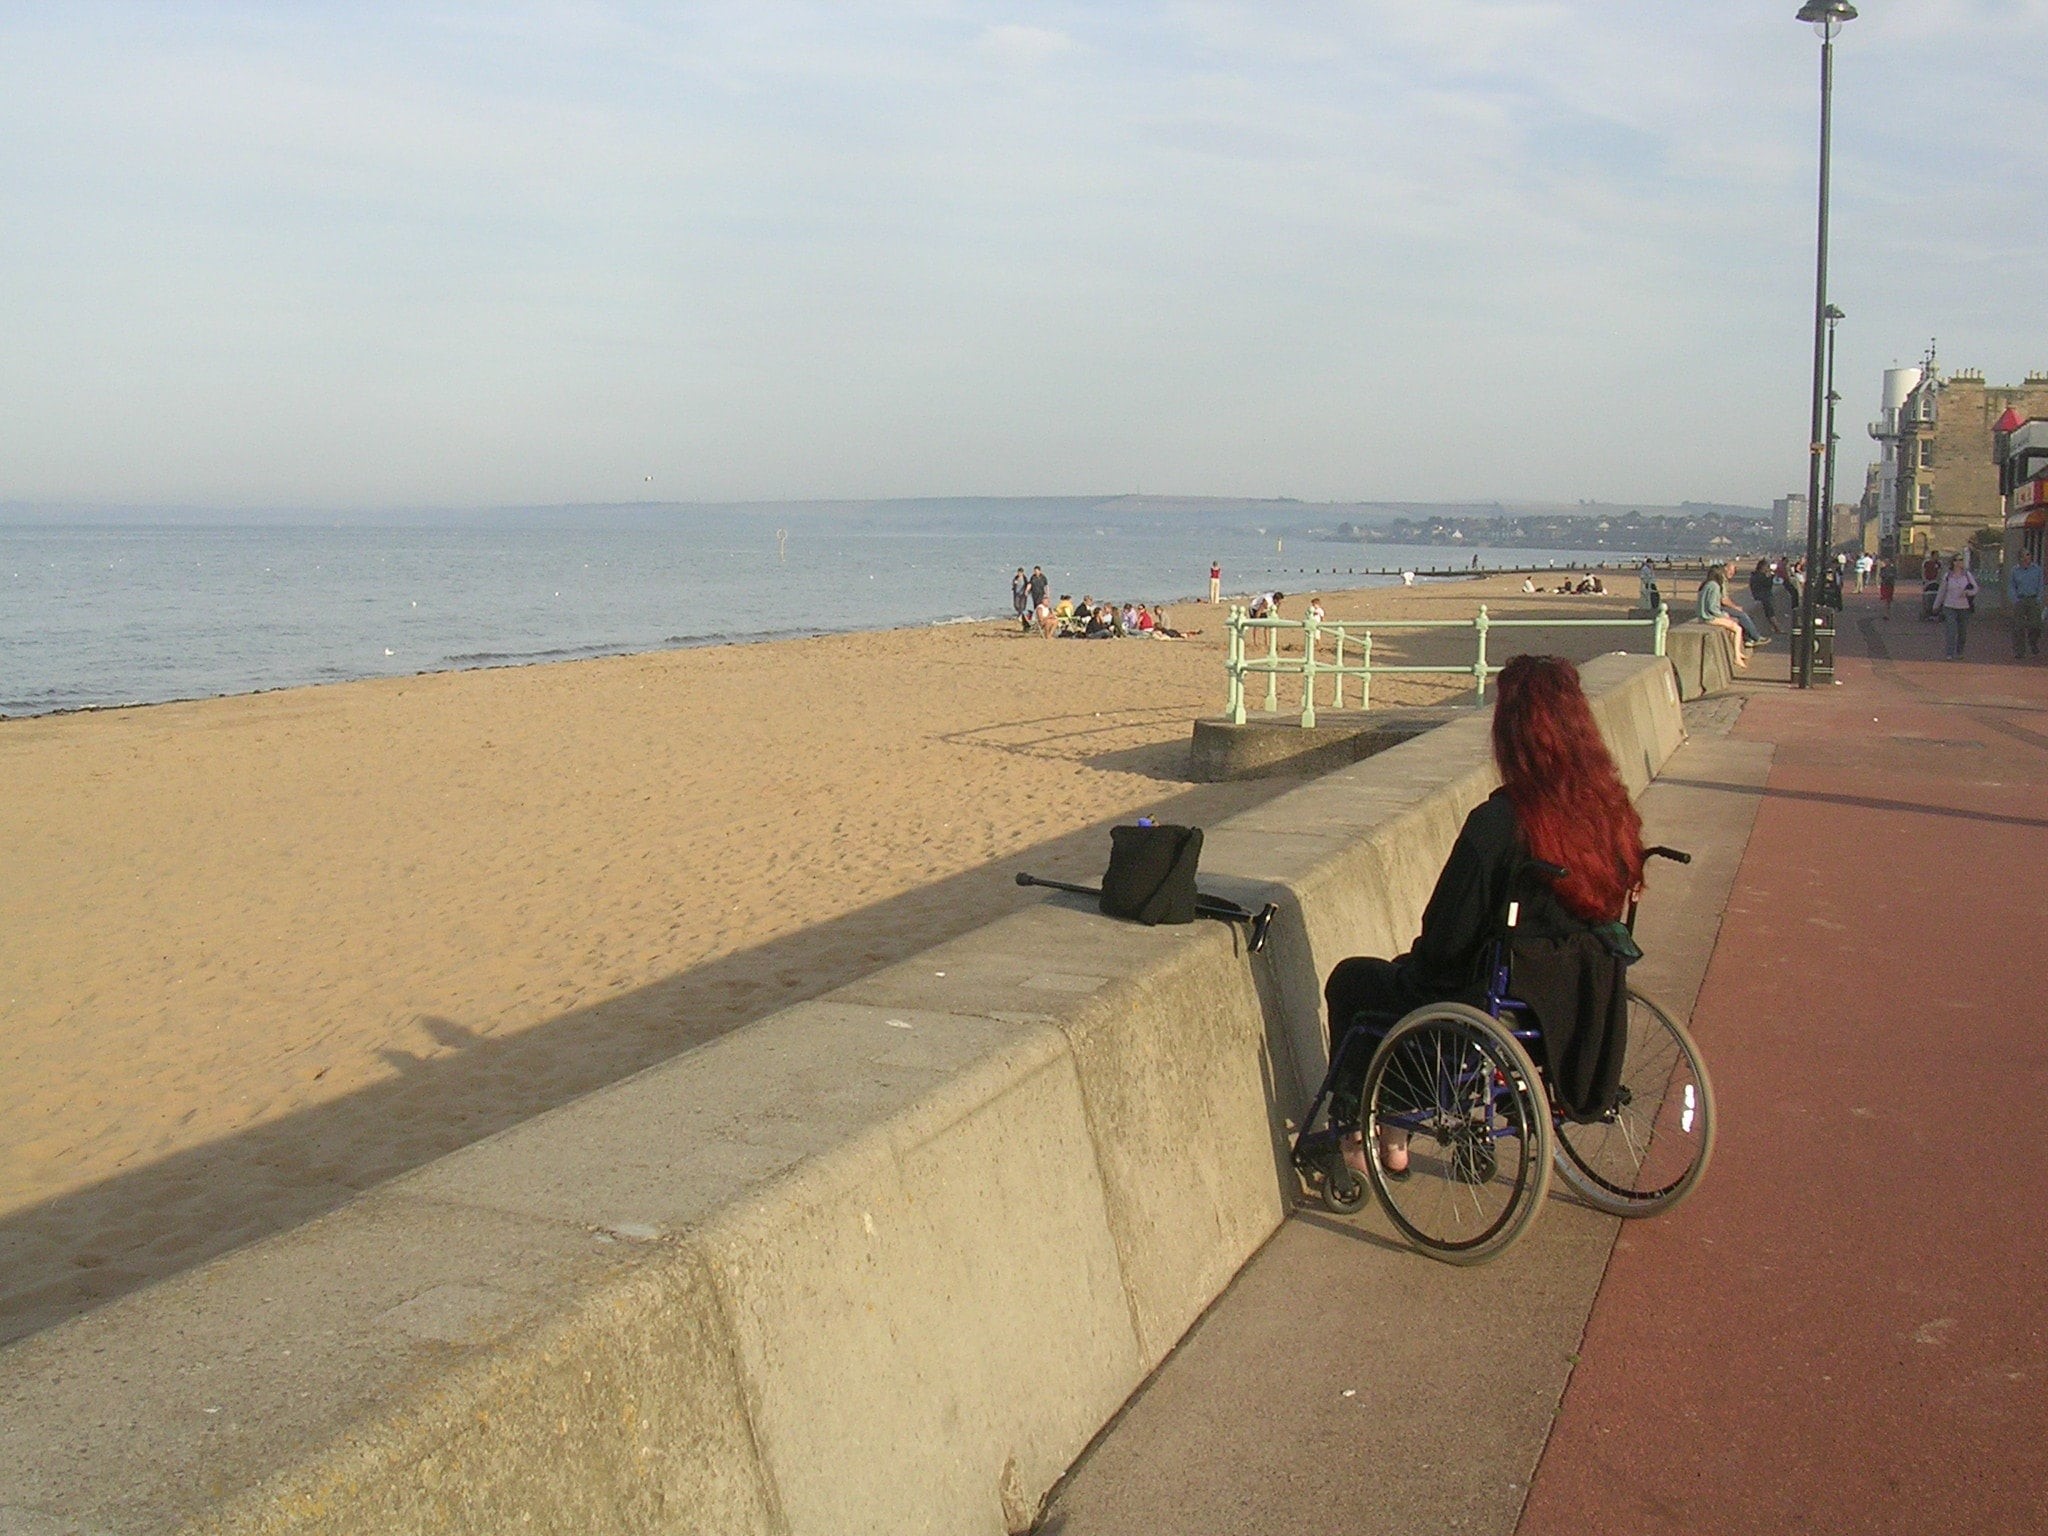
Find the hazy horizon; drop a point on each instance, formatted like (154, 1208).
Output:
(335, 256)
(1166, 504)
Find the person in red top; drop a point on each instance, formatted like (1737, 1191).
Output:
(1215, 582)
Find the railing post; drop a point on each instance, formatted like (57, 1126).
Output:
(1337, 691)
(1479, 626)
(1365, 670)
(1234, 664)
(1272, 668)
(1662, 624)
(1308, 671)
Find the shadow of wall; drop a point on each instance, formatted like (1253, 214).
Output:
(69, 1254)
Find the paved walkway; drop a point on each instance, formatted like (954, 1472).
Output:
(1844, 1329)
(1847, 1328)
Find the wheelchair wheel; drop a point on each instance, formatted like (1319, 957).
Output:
(1478, 1124)
(1343, 1191)
(1650, 1152)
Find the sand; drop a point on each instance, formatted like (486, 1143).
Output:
(259, 953)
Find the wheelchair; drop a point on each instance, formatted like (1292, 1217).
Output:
(1463, 1083)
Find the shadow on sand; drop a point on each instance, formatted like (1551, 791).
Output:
(74, 1252)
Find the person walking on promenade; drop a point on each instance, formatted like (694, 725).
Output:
(1864, 566)
(1215, 582)
(1760, 589)
(1887, 585)
(1020, 598)
(1953, 600)
(2023, 592)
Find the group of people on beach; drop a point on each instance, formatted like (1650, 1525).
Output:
(1089, 619)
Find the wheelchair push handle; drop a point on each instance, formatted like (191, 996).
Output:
(1550, 873)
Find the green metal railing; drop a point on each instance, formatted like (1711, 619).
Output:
(1309, 665)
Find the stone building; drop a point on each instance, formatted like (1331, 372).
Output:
(1947, 478)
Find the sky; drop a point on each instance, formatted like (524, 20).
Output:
(434, 254)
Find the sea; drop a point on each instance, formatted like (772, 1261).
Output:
(96, 613)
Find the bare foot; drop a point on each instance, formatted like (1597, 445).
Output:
(1393, 1150)
(1353, 1146)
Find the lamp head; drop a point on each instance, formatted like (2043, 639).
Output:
(1832, 314)
(1827, 16)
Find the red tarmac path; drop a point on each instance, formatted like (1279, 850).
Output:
(1846, 1328)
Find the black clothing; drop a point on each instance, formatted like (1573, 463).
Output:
(1465, 916)
(1038, 585)
(1760, 589)
(1578, 990)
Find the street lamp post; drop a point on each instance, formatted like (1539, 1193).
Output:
(1828, 18)
(1827, 503)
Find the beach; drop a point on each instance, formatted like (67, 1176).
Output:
(260, 953)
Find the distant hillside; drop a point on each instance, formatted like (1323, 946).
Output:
(1691, 530)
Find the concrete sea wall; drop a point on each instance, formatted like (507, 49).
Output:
(882, 1262)
(1703, 656)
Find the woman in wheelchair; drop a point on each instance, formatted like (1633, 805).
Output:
(1561, 804)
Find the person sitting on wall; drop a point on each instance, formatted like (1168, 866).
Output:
(1715, 609)
(1562, 801)
(1762, 590)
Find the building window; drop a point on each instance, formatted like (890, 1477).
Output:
(1927, 453)
(1926, 501)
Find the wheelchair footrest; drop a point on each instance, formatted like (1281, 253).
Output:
(1316, 1146)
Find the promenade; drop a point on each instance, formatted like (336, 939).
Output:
(1843, 1330)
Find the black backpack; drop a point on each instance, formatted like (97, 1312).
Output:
(1151, 875)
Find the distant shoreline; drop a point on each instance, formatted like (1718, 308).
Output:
(1362, 580)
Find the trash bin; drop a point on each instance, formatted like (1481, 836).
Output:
(1823, 646)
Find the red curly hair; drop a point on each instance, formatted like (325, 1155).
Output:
(1569, 799)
